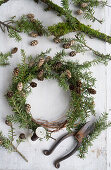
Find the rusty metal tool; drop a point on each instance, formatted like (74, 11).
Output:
(79, 136)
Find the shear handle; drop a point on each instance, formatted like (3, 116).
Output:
(57, 162)
(48, 152)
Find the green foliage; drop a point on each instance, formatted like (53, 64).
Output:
(75, 24)
(65, 4)
(4, 58)
(60, 29)
(6, 143)
(11, 134)
(100, 125)
(89, 10)
(14, 34)
(24, 24)
(80, 45)
(81, 104)
(3, 1)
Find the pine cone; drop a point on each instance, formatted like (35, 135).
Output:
(57, 40)
(48, 58)
(34, 137)
(68, 73)
(58, 65)
(91, 91)
(79, 12)
(20, 86)
(30, 16)
(32, 34)
(34, 42)
(71, 87)
(33, 84)
(8, 123)
(72, 42)
(16, 71)
(40, 75)
(84, 5)
(10, 94)
(14, 50)
(79, 83)
(67, 45)
(22, 136)
(28, 108)
(1, 142)
(72, 53)
(41, 62)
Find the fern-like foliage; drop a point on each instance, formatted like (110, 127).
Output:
(24, 24)
(100, 125)
(89, 10)
(80, 46)
(65, 4)
(4, 58)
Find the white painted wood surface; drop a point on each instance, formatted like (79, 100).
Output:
(99, 156)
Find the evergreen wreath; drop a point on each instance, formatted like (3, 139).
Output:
(72, 77)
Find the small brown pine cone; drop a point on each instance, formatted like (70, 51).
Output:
(20, 86)
(78, 90)
(67, 45)
(57, 40)
(30, 16)
(72, 53)
(68, 73)
(79, 83)
(22, 136)
(1, 142)
(79, 12)
(34, 42)
(31, 63)
(48, 58)
(16, 71)
(72, 42)
(33, 34)
(41, 62)
(34, 137)
(84, 5)
(14, 50)
(10, 94)
(8, 123)
(71, 87)
(91, 91)
(58, 66)
(33, 84)
(28, 108)
(40, 75)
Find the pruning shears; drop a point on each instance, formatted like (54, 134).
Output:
(79, 136)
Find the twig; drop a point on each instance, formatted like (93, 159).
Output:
(19, 153)
(8, 26)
